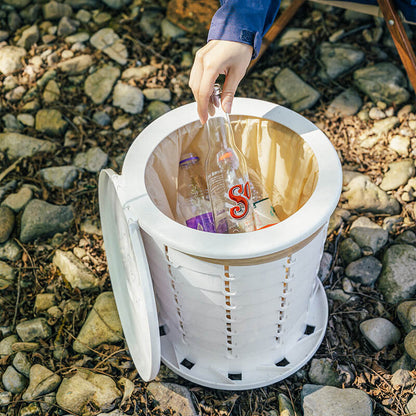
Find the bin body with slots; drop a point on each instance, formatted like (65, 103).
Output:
(224, 311)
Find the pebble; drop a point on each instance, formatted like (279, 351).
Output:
(74, 271)
(406, 312)
(139, 73)
(42, 381)
(156, 109)
(376, 113)
(170, 30)
(6, 345)
(367, 233)
(99, 84)
(400, 144)
(101, 326)
(410, 344)
(161, 94)
(293, 35)
(325, 266)
(41, 219)
(380, 332)
(11, 59)
(6, 223)
(18, 145)
(51, 92)
(54, 10)
(25, 346)
(33, 329)
(5, 398)
(18, 200)
(22, 363)
(44, 301)
(51, 122)
(285, 406)
(87, 387)
(364, 270)
(110, 43)
(26, 119)
(7, 275)
(29, 37)
(345, 104)
(402, 378)
(77, 65)
(322, 371)
(396, 281)
(398, 174)
(90, 226)
(101, 118)
(128, 98)
(405, 362)
(328, 401)
(10, 251)
(32, 409)
(59, 176)
(349, 250)
(13, 381)
(93, 160)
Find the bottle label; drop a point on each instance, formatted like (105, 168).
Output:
(240, 195)
(264, 214)
(203, 222)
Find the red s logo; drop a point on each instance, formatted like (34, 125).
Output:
(240, 196)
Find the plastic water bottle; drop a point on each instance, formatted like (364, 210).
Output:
(226, 173)
(264, 213)
(193, 194)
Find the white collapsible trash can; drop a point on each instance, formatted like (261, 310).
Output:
(225, 311)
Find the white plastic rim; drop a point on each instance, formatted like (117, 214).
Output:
(308, 219)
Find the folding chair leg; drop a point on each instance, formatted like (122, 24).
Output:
(278, 25)
(400, 38)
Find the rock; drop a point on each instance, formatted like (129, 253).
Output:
(11, 59)
(98, 85)
(51, 122)
(398, 174)
(33, 329)
(22, 363)
(101, 326)
(116, 4)
(33, 409)
(74, 271)
(77, 65)
(19, 200)
(42, 381)
(365, 271)
(293, 35)
(13, 381)
(29, 37)
(338, 59)
(397, 282)
(10, 251)
(139, 73)
(25, 346)
(362, 195)
(17, 145)
(194, 17)
(41, 219)
(26, 119)
(172, 396)
(91, 227)
(322, 371)
(285, 406)
(376, 113)
(92, 160)
(379, 130)
(109, 42)
(44, 301)
(367, 233)
(405, 362)
(51, 92)
(400, 144)
(6, 345)
(349, 250)
(86, 387)
(325, 266)
(6, 223)
(59, 176)
(67, 26)
(20, 4)
(128, 98)
(411, 405)
(402, 378)
(170, 30)
(380, 332)
(382, 82)
(410, 344)
(406, 312)
(328, 401)
(300, 95)
(7, 276)
(54, 10)
(345, 104)
(5, 398)
(393, 223)
(161, 94)
(157, 109)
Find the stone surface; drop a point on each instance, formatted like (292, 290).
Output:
(51, 122)
(128, 98)
(406, 312)
(33, 329)
(17, 145)
(345, 104)
(19, 200)
(99, 84)
(42, 381)
(6, 223)
(93, 160)
(77, 65)
(11, 59)
(349, 250)
(110, 43)
(22, 363)
(368, 234)
(6, 345)
(398, 174)
(380, 332)
(59, 176)
(13, 381)
(365, 270)
(322, 371)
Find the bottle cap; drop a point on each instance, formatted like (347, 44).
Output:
(226, 155)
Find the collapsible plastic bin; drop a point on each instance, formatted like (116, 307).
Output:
(225, 311)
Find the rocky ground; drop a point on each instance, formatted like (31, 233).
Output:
(79, 79)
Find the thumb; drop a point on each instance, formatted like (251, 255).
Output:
(228, 91)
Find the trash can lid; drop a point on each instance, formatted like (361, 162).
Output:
(130, 278)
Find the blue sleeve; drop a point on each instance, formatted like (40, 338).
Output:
(244, 21)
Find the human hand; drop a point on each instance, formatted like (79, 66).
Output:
(215, 58)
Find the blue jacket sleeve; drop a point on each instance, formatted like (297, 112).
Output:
(244, 21)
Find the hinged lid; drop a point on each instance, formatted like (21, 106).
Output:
(130, 277)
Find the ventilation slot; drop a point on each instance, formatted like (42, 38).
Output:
(282, 363)
(235, 376)
(188, 364)
(283, 299)
(162, 330)
(309, 330)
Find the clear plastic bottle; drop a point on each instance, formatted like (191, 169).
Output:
(226, 173)
(264, 213)
(193, 194)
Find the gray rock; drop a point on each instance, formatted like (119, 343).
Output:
(156, 109)
(382, 82)
(18, 200)
(6, 223)
(77, 65)
(172, 396)
(13, 381)
(150, 22)
(293, 35)
(161, 94)
(402, 378)
(42, 219)
(322, 371)
(139, 73)
(67, 26)
(367, 233)
(22, 363)
(406, 312)
(405, 362)
(29, 37)
(410, 344)
(7, 276)
(26, 119)
(87, 387)
(116, 4)
(11, 59)
(98, 85)
(365, 270)
(325, 266)
(339, 58)
(398, 174)
(6, 345)
(349, 250)
(411, 405)
(32, 409)
(380, 332)
(101, 118)
(59, 176)
(392, 223)
(5, 398)
(10, 251)
(93, 160)
(91, 227)
(109, 42)
(400, 144)
(397, 282)
(74, 271)
(16, 94)
(345, 104)
(285, 406)
(51, 122)
(170, 30)
(20, 4)
(44, 301)
(33, 329)
(300, 95)
(51, 92)
(380, 129)
(329, 401)
(406, 237)
(362, 195)
(54, 10)
(42, 381)
(128, 98)
(101, 326)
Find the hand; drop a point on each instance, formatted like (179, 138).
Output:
(215, 58)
